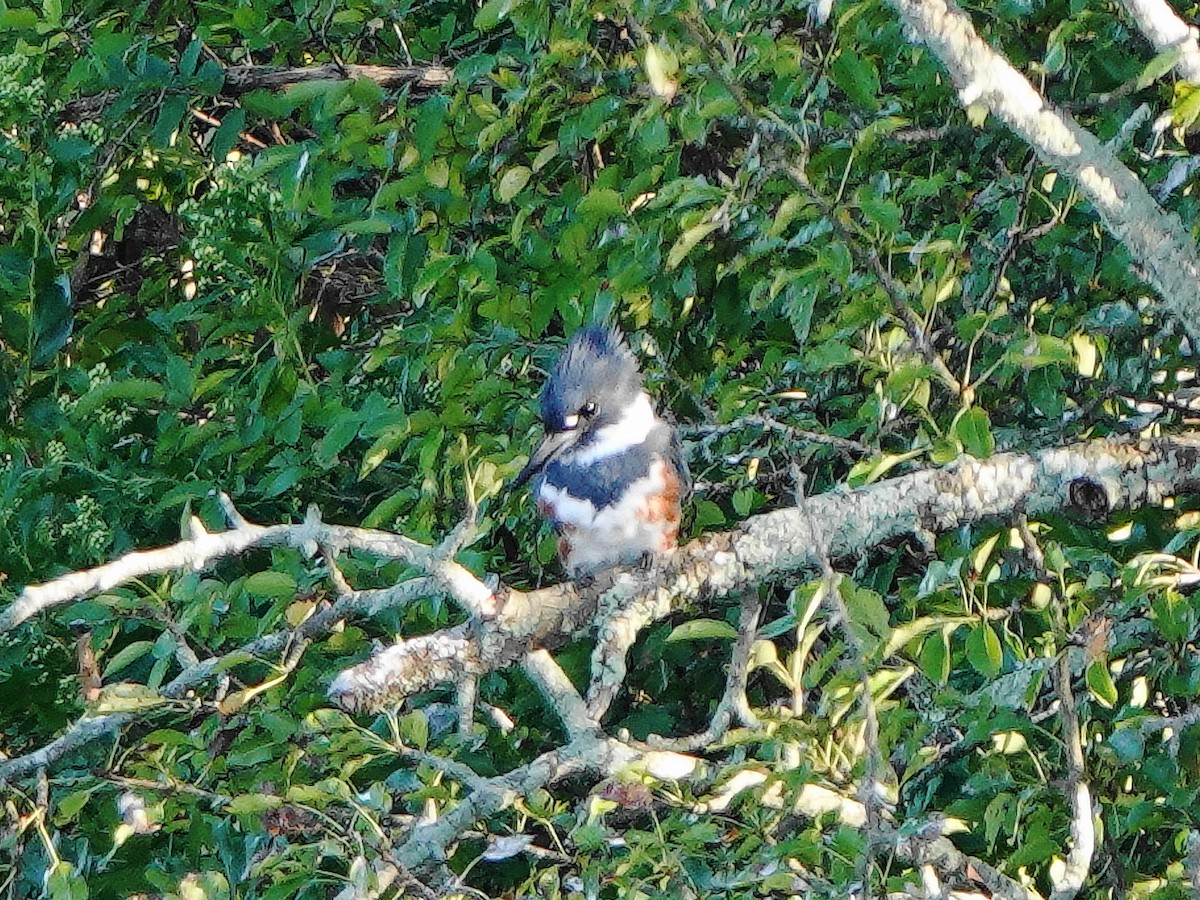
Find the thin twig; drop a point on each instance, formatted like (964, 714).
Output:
(1070, 880)
(706, 435)
(733, 703)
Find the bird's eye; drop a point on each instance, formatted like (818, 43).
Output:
(569, 422)
(588, 409)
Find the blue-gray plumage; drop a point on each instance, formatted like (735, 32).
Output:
(611, 478)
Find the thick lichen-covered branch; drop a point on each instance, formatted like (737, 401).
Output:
(1105, 474)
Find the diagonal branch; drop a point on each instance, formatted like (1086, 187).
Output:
(1153, 236)
(1167, 32)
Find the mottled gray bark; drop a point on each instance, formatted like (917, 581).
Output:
(1091, 478)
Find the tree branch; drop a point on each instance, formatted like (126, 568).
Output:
(361, 603)
(1068, 881)
(239, 79)
(733, 703)
(425, 848)
(1154, 237)
(1167, 32)
(203, 549)
(1108, 472)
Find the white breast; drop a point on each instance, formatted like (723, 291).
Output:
(620, 534)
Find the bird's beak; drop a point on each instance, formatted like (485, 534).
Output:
(551, 444)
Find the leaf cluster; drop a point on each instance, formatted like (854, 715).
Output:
(348, 293)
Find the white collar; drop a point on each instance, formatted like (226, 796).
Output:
(631, 429)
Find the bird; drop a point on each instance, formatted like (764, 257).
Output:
(609, 476)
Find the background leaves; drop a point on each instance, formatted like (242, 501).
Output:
(348, 294)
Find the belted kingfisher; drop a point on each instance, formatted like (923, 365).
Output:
(611, 475)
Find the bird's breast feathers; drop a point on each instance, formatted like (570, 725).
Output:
(642, 518)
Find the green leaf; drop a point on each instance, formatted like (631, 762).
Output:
(307, 91)
(210, 79)
(227, 133)
(1172, 616)
(18, 19)
(431, 274)
(973, 429)
(252, 804)
(871, 470)
(134, 390)
(64, 883)
(1128, 743)
(1159, 66)
(935, 657)
(251, 755)
(599, 205)
(414, 730)
(512, 182)
(169, 116)
(984, 651)
(1185, 109)
(703, 630)
(707, 514)
(383, 447)
(545, 155)
(880, 211)
(689, 239)
(189, 58)
(71, 149)
(902, 635)
(386, 510)
(1100, 683)
(338, 438)
(857, 77)
(126, 656)
(743, 497)
(1055, 58)
(52, 319)
(492, 13)
(282, 481)
(867, 609)
(68, 808)
(374, 225)
(279, 585)
(1041, 350)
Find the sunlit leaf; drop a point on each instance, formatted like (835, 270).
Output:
(703, 630)
(512, 182)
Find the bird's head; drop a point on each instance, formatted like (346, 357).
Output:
(593, 383)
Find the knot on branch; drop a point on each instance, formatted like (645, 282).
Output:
(1089, 499)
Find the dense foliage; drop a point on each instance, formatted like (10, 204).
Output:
(347, 294)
